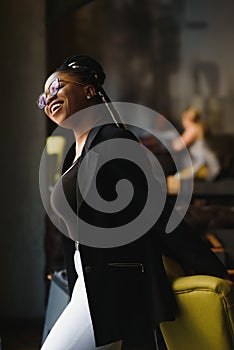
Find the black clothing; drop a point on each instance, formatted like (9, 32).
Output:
(127, 302)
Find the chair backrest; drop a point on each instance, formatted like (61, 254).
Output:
(55, 150)
(205, 319)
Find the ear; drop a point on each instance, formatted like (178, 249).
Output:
(90, 91)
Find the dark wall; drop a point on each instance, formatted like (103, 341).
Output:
(22, 140)
(166, 55)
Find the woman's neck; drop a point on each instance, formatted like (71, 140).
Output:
(80, 142)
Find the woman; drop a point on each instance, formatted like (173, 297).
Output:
(121, 294)
(204, 161)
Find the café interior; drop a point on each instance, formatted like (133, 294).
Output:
(166, 55)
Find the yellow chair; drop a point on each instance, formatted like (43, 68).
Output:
(205, 318)
(55, 146)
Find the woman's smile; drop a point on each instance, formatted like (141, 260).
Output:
(55, 107)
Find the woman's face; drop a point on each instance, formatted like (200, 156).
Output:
(70, 98)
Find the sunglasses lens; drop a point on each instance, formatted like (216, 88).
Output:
(54, 87)
(53, 90)
(41, 101)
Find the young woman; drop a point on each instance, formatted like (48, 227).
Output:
(121, 294)
(204, 161)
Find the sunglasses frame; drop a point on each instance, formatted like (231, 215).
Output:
(43, 96)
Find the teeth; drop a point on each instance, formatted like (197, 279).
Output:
(55, 106)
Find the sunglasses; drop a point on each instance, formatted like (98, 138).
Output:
(53, 90)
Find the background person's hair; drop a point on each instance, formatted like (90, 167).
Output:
(192, 114)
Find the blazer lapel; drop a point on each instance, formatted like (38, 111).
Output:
(87, 165)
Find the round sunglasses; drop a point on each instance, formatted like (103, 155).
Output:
(53, 90)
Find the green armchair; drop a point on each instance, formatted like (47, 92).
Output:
(205, 318)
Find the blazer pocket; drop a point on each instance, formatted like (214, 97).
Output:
(127, 289)
(128, 265)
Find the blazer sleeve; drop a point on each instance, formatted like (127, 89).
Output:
(69, 250)
(186, 247)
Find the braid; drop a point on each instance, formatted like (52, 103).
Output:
(89, 70)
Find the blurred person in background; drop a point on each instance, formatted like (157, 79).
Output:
(205, 164)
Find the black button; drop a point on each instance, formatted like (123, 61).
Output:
(88, 269)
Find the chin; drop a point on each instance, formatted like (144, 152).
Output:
(65, 123)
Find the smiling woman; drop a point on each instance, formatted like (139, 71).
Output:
(122, 293)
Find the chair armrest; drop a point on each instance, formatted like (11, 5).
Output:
(204, 317)
(187, 284)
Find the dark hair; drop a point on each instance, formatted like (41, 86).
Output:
(88, 69)
(91, 72)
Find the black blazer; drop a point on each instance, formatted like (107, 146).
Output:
(127, 288)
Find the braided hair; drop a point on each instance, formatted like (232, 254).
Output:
(88, 69)
(91, 72)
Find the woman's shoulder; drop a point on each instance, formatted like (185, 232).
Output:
(109, 131)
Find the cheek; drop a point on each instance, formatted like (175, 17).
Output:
(77, 102)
